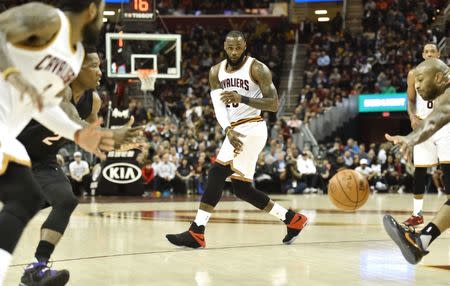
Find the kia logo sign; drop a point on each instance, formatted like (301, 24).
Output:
(122, 173)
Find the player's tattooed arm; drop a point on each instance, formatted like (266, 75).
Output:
(214, 77)
(68, 107)
(96, 104)
(30, 24)
(439, 117)
(263, 77)
(412, 98)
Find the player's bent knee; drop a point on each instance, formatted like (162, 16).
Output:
(220, 170)
(68, 204)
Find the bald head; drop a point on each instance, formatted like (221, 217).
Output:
(430, 77)
(432, 66)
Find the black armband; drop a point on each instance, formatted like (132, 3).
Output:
(245, 99)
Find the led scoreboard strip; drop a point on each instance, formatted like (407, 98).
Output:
(136, 10)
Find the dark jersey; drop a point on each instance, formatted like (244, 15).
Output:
(42, 144)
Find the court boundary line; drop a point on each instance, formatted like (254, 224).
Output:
(183, 249)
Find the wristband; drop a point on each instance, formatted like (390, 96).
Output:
(245, 99)
(9, 71)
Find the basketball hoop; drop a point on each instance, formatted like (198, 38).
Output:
(147, 78)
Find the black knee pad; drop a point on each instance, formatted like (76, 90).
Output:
(216, 181)
(220, 171)
(67, 204)
(446, 177)
(447, 202)
(420, 177)
(245, 191)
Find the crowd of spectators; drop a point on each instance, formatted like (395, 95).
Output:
(180, 153)
(378, 60)
(196, 7)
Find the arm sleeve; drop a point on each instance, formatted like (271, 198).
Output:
(57, 121)
(220, 109)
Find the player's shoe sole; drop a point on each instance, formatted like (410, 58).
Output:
(60, 279)
(412, 252)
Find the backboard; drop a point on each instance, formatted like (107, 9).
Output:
(126, 53)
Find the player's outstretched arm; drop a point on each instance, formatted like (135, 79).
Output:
(439, 117)
(263, 76)
(435, 121)
(412, 99)
(122, 136)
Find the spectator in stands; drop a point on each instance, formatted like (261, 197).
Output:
(306, 167)
(79, 175)
(365, 170)
(348, 159)
(185, 173)
(323, 60)
(165, 173)
(148, 175)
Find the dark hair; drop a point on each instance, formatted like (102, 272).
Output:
(235, 34)
(76, 6)
(89, 49)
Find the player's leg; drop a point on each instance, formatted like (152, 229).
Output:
(21, 200)
(58, 193)
(245, 164)
(425, 155)
(194, 237)
(414, 245)
(295, 222)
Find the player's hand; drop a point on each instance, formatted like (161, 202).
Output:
(24, 87)
(93, 139)
(402, 143)
(415, 121)
(233, 137)
(127, 135)
(230, 97)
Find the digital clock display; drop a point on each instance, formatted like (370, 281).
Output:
(139, 10)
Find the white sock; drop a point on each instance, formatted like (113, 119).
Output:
(425, 239)
(5, 261)
(279, 212)
(418, 204)
(202, 217)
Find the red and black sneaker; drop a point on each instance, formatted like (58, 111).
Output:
(406, 239)
(295, 222)
(193, 238)
(414, 220)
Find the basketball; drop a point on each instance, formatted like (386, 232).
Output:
(348, 190)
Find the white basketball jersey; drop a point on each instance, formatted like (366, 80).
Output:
(241, 82)
(423, 107)
(50, 69)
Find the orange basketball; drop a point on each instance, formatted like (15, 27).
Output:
(348, 190)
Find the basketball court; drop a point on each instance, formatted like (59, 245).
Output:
(111, 243)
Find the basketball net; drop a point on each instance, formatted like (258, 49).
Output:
(147, 78)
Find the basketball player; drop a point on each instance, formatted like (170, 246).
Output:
(80, 103)
(432, 81)
(40, 54)
(240, 88)
(425, 154)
